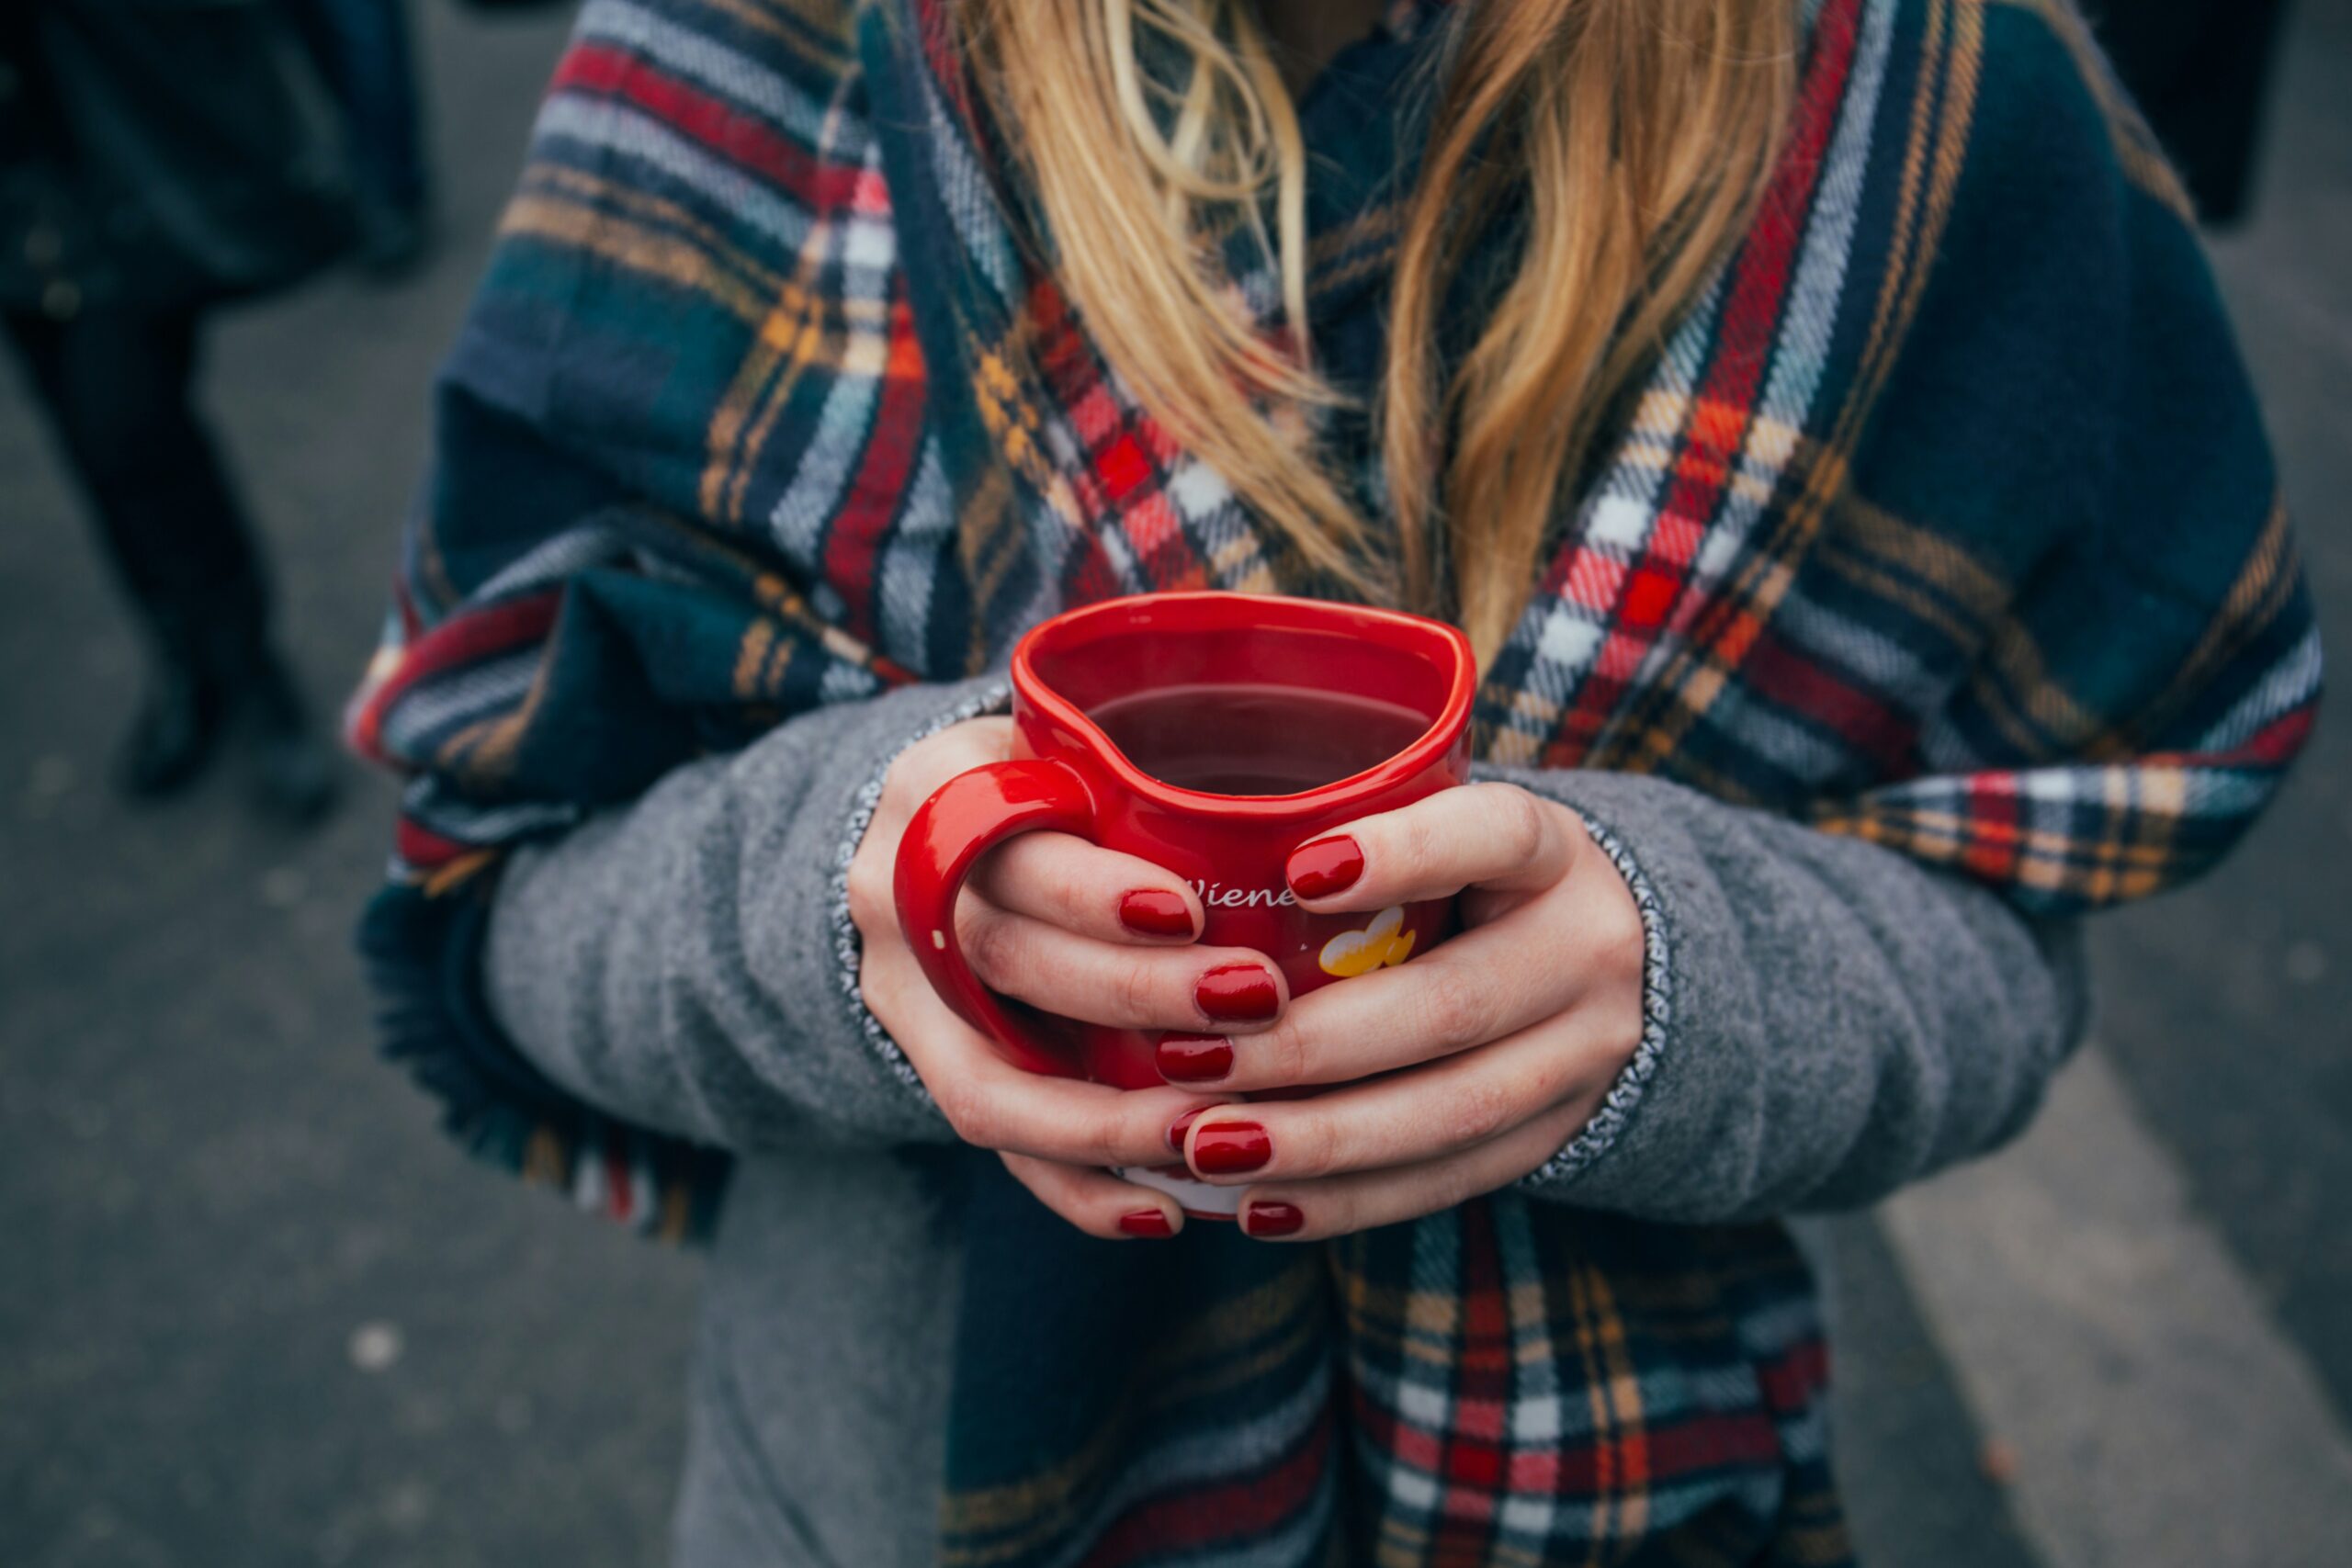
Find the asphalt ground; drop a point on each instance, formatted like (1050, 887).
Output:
(252, 1309)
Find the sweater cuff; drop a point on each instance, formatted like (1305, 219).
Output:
(1601, 1133)
(848, 946)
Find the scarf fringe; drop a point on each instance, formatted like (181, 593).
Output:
(421, 954)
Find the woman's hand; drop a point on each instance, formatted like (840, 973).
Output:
(1080, 931)
(1497, 1046)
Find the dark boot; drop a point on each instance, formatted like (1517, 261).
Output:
(291, 770)
(176, 731)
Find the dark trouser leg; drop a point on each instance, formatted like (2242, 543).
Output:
(116, 387)
(364, 50)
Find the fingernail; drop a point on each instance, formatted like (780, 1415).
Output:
(1229, 1148)
(1154, 911)
(1238, 993)
(1183, 1124)
(1270, 1219)
(1324, 867)
(1151, 1223)
(1193, 1058)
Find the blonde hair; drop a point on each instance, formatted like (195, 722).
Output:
(1637, 135)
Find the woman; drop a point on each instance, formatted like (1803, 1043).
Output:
(1819, 417)
(154, 165)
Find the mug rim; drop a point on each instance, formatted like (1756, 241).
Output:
(1393, 628)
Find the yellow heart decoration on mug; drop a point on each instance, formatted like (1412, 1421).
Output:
(1376, 946)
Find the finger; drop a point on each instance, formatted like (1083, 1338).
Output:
(918, 772)
(1312, 1211)
(992, 1104)
(1098, 893)
(1189, 988)
(1096, 1203)
(913, 776)
(1483, 835)
(1476, 987)
(1410, 1117)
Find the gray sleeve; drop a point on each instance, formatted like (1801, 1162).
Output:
(686, 962)
(1827, 1020)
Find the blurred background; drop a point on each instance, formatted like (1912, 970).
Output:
(254, 1310)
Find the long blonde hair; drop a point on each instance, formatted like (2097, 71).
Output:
(1637, 134)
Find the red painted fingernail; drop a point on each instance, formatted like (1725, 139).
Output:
(1193, 1058)
(1151, 1223)
(1153, 911)
(1324, 867)
(1229, 1148)
(1183, 1124)
(1271, 1218)
(1238, 993)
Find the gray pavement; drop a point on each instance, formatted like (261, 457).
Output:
(2229, 1006)
(253, 1310)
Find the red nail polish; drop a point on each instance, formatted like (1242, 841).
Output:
(1193, 1058)
(1183, 1124)
(1238, 993)
(1324, 867)
(1153, 911)
(1271, 1218)
(1151, 1223)
(1229, 1148)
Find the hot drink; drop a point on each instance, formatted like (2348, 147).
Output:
(1256, 740)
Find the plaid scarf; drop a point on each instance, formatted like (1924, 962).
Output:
(1944, 519)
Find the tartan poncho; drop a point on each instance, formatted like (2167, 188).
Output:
(1945, 520)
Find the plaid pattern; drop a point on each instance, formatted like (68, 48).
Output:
(1944, 519)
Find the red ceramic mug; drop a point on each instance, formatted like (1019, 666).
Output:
(1211, 734)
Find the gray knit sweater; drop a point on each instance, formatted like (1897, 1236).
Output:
(1827, 1021)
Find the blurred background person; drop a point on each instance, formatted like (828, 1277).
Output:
(158, 161)
(2199, 70)
(365, 52)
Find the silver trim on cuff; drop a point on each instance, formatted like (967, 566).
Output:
(1657, 1012)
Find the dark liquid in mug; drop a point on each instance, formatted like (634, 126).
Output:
(1256, 740)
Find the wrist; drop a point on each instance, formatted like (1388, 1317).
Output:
(871, 866)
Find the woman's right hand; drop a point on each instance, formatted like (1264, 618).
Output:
(1077, 930)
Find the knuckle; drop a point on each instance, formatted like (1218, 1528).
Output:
(1283, 1054)
(1519, 819)
(1310, 1146)
(968, 1111)
(1477, 1113)
(1074, 904)
(1009, 872)
(1137, 991)
(1419, 841)
(1455, 1011)
(1102, 1143)
(991, 944)
(872, 993)
(1625, 937)
(1447, 1190)
(900, 790)
(1081, 906)
(1335, 1214)
(1625, 947)
(870, 901)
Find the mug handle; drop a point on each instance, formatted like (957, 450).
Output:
(970, 813)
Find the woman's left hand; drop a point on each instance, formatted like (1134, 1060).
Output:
(1495, 1047)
